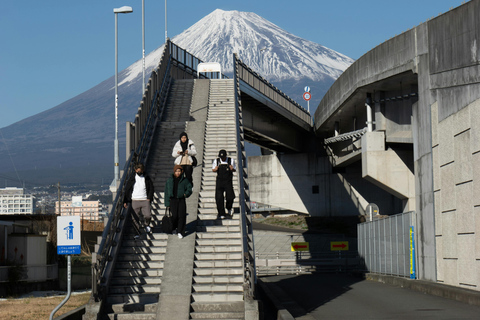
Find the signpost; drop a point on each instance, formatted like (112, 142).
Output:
(300, 246)
(307, 96)
(68, 243)
(339, 246)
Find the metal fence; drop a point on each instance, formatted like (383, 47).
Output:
(387, 245)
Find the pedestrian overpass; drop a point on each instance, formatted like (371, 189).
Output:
(210, 274)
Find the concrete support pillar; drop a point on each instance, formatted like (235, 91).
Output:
(368, 104)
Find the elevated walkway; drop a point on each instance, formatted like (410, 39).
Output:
(202, 275)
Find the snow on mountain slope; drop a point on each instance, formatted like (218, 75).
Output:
(272, 52)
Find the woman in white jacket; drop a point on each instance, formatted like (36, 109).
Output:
(183, 151)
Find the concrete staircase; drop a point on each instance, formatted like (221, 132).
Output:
(137, 277)
(217, 286)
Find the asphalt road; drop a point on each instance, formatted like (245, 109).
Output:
(337, 296)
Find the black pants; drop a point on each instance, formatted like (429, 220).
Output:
(178, 207)
(188, 169)
(224, 189)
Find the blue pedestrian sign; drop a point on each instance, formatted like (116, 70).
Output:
(68, 235)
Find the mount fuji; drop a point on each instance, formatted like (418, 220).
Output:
(72, 143)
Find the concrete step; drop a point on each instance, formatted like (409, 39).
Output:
(143, 250)
(215, 256)
(218, 236)
(216, 297)
(133, 298)
(217, 263)
(211, 220)
(218, 307)
(133, 279)
(134, 289)
(218, 249)
(147, 242)
(135, 272)
(237, 279)
(141, 257)
(132, 316)
(218, 271)
(133, 307)
(138, 265)
(218, 229)
(217, 315)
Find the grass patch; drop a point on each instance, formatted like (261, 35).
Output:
(40, 308)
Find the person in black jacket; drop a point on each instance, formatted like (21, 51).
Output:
(224, 195)
(139, 192)
(177, 188)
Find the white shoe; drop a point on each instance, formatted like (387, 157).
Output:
(174, 231)
(180, 236)
(148, 229)
(230, 211)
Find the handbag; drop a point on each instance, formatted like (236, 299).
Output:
(167, 224)
(185, 161)
(194, 161)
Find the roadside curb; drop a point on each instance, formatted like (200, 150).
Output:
(436, 289)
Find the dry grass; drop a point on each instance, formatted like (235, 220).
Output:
(39, 308)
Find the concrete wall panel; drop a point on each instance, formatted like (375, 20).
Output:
(450, 268)
(447, 175)
(446, 144)
(466, 261)
(438, 213)
(450, 235)
(464, 200)
(463, 158)
(440, 262)
(475, 126)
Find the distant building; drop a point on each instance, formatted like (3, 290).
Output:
(15, 201)
(88, 210)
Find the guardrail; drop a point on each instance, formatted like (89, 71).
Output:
(244, 197)
(305, 262)
(253, 79)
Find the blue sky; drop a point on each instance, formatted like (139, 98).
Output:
(53, 50)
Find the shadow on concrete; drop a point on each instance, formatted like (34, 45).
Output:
(298, 295)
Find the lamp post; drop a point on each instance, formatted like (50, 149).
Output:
(116, 178)
(143, 45)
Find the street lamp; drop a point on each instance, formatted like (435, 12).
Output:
(124, 9)
(143, 45)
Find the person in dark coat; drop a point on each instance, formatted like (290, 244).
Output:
(139, 192)
(177, 188)
(224, 195)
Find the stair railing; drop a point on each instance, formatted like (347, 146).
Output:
(244, 196)
(175, 63)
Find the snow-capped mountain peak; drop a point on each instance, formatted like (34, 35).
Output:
(272, 52)
(266, 48)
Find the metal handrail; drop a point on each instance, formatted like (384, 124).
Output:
(253, 79)
(250, 278)
(149, 112)
(103, 255)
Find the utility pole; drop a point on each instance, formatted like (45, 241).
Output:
(59, 200)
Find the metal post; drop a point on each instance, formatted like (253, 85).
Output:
(69, 287)
(59, 201)
(166, 21)
(116, 160)
(143, 45)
